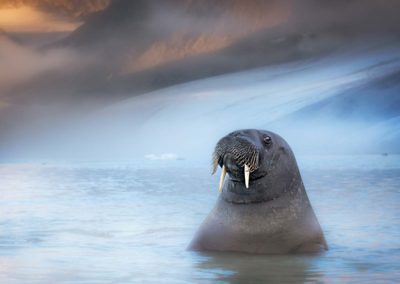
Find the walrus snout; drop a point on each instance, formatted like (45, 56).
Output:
(239, 154)
(233, 169)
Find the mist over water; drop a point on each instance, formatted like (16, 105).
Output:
(186, 120)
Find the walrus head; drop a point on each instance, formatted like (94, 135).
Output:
(253, 159)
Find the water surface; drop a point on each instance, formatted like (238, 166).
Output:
(131, 222)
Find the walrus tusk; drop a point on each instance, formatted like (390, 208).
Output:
(222, 178)
(246, 175)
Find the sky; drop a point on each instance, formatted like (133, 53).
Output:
(29, 19)
(46, 15)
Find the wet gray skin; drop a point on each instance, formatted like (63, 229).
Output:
(273, 215)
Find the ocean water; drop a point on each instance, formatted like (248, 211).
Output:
(130, 222)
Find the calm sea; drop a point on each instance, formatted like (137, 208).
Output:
(130, 222)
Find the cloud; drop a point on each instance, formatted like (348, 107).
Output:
(30, 19)
(46, 15)
(361, 15)
(20, 64)
(69, 8)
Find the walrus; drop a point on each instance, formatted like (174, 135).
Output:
(263, 207)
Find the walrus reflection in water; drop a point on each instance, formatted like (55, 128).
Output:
(263, 207)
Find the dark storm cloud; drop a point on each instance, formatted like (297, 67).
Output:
(356, 15)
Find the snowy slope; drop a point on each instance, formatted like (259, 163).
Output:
(188, 119)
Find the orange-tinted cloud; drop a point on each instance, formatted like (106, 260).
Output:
(46, 15)
(29, 19)
(69, 8)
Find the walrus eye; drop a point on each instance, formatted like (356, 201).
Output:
(267, 140)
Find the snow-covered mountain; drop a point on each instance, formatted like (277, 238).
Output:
(342, 104)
